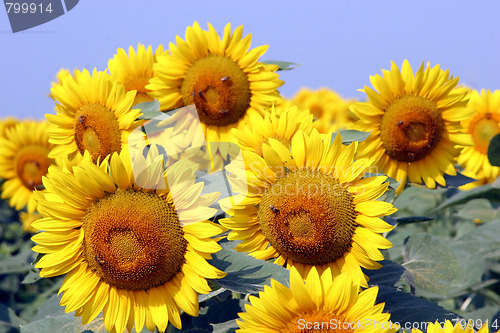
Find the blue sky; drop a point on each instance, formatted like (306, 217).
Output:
(339, 43)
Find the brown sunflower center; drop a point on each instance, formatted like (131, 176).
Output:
(219, 88)
(320, 322)
(282, 140)
(483, 127)
(133, 240)
(411, 128)
(309, 217)
(97, 130)
(316, 110)
(32, 163)
(139, 84)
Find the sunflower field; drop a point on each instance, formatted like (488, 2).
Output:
(176, 190)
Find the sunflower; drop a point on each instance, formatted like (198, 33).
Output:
(93, 114)
(330, 110)
(415, 124)
(135, 69)
(24, 160)
(27, 220)
(6, 124)
(309, 207)
(281, 128)
(483, 125)
(448, 327)
(133, 240)
(60, 76)
(321, 305)
(220, 76)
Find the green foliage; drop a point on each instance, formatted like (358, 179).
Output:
(418, 201)
(245, 274)
(494, 150)
(52, 318)
(479, 210)
(226, 327)
(488, 191)
(32, 276)
(217, 313)
(458, 180)
(406, 220)
(406, 308)
(469, 273)
(454, 257)
(19, 263)
(431, 263)
(479, 317)
(483, 241)
(64, 323)
(9, 322)
(388, 275)
(7, 214)
(444, 263)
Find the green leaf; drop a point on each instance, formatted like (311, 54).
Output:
(7, 213)
(226, 327)
(478, 209)
(397, 237)
(220, 313)
(223, 311)
(483, 242)
(191, 324)
(32, 276)
(172, 329)
(36, 300)
(150, 110)
(49, 309)
(9, 322)
(469, 273)
(494, 150)
(488, 191)
(418, 201)
(349, 136)
(245, 274)
(388, 275)
(20, 263)
(479, 317)
(67, 323)
(52, 318)
(283, 65)
(458, 180)
(64, 323)
(431, 263)
(405, 308)
(406, 220)
(203, 298)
